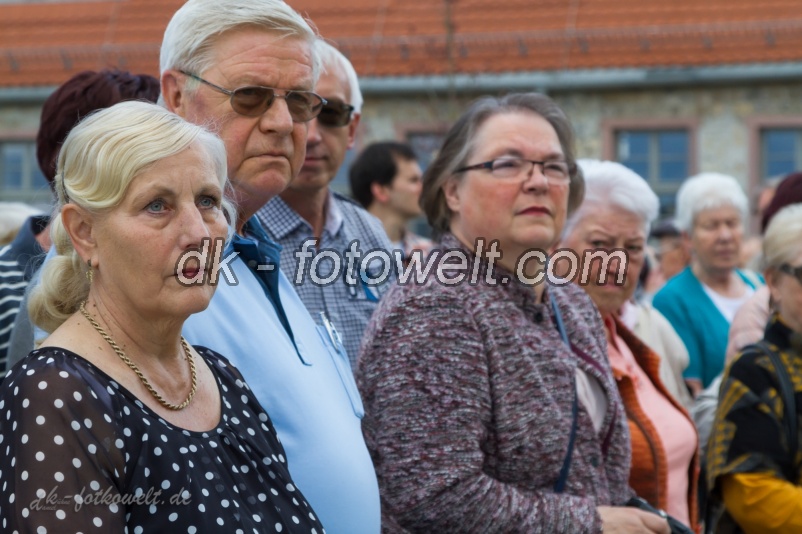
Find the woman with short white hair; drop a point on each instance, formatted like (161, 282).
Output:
(615, 215)
(701, 301)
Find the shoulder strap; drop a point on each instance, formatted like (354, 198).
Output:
(559, 486)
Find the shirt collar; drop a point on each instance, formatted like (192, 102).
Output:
(283, 220)
(334, 215)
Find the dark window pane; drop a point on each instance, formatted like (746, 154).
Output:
(780, 151)
(12, 162)
(667, 204)
(640, 167)
(779, 167)
(673, 171)
(780, 141)
(425, 145)
(673, 143)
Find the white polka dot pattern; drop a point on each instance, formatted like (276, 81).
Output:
(80, 452)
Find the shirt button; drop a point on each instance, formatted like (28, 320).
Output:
(594, 461)
(252, 264)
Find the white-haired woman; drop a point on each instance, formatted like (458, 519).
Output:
(615, 215)
(753, 461)
(701, 301)
(115, 423)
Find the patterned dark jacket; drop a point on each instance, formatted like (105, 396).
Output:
(468, 391)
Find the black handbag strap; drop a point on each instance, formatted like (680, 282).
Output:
(788, 397)
(559, 486)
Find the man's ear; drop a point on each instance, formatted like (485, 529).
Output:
(380, 192)
(352, 126)
(80, 226)
(452, 194)
(172, 92)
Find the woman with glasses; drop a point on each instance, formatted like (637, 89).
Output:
(490, 405)
(753, 458)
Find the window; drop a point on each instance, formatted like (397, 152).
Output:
(426, 145)
(781, 151)
(20, 177)
(661, 157)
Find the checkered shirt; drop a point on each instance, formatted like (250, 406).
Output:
(349, 307)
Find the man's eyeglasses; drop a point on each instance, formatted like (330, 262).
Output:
(557, 172)
(253, 100)
(335, 114)
(796, 272)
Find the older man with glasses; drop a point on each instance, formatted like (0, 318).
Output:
(247, 69)
(309, 210)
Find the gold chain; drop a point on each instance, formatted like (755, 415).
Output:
(136, 370)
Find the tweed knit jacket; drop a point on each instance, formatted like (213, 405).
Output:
(468, 391)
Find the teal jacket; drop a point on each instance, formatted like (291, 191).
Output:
(698, 322)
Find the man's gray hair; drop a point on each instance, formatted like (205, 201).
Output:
(188, 42)
(608, 183)
(708, 190)
(331, 57)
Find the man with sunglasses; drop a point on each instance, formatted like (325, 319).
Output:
(309, 210)
(247, 70)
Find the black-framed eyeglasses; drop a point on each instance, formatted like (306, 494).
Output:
(796, 272)
(557, 172)
(335, 114)
(253, 100)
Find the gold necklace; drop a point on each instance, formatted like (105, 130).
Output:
(136, 370)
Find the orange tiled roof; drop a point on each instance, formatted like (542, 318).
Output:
(45, 43)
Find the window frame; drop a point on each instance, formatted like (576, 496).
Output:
(612, 127)
(755, 180)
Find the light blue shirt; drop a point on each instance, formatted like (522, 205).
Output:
(307, 388)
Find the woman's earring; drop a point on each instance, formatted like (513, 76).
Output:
(89, 274)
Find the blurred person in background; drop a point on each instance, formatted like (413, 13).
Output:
(616, 214)
(749, 323)
(701, 301)
(386, 179)
(491, 406)
(753, 464)
(751, 249)
(671, 251)
(310, 209)
(73, 100)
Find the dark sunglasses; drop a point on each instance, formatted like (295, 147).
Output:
(796, 272)
(335, 114)
(253, 100)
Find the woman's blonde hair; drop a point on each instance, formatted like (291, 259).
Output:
(781, 242)
(100, 158)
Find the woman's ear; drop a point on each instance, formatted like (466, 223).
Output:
(451, 193)
(772, 278)
(80, 225)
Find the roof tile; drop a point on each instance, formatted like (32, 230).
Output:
(44, 44)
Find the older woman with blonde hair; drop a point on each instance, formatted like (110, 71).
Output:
(489, 401)
(618, 209)
(753, 460)
(115, 423)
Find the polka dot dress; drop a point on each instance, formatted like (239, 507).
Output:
(80, 453)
